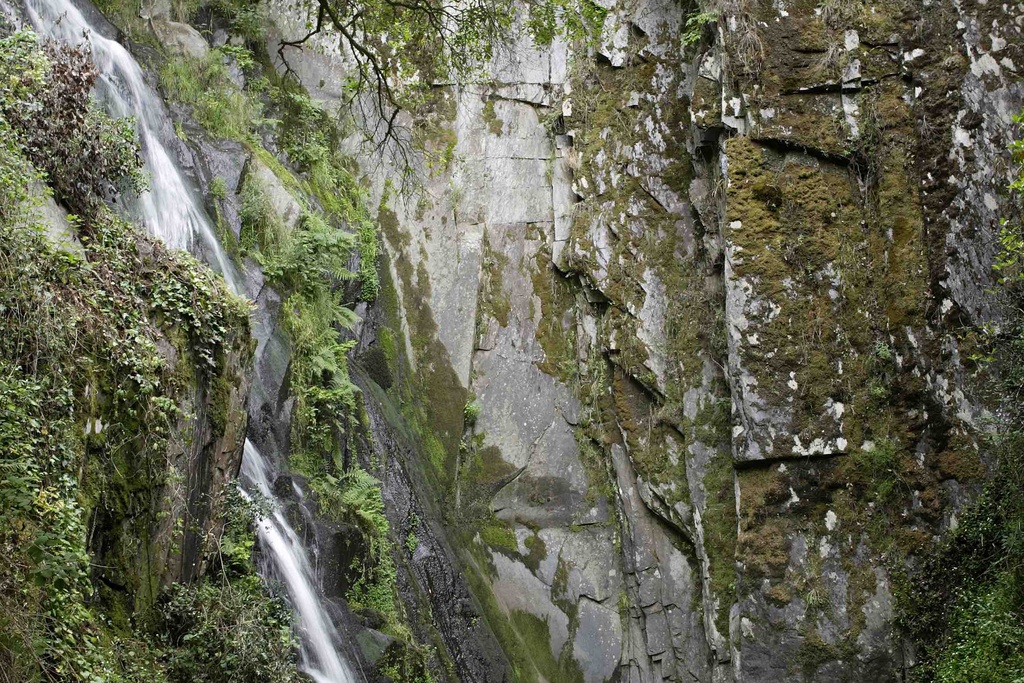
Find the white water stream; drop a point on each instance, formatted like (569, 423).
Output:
(170, 211)
(320, 657)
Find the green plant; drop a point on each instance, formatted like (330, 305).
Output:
(261, 228)
(986, 643)
(218, 188)
(246, 17)
(242, 55)
(310, 138)
(88, 398)
(695, 24)
(376, 588)
(45, 103)
(580, 20)
(881, 469)
(369, 248)
(220, 633)
(205, 84)
(411, 542)
(471, 412)
(964, 608)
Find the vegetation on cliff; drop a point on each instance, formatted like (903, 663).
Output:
(965, 607)
(114, 347)
(303, 219)
(400, 50)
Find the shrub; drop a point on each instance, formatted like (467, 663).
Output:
(987, 639)
(222, 633)
(45, 101)
(247, 17)
(471, 412)
(81, 349)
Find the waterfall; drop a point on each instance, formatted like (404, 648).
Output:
(320, 657)
(171, 211)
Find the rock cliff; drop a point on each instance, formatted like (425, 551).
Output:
(708, 285)
(672, 374)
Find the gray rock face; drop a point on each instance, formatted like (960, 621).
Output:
(180, 39)
(695, 295)
(59, 230)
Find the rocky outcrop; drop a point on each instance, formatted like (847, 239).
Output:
(847, 265)
(674, 334)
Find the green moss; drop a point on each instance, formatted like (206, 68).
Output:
(556, 330)
(881, 470)
(814, 652)
(406, 663)
(220, 403)
(535, 634)
(720, 533)
(431, 396)
(494, 124)
(494, 300)
(499, 536)
(537, 552)
(761, 540)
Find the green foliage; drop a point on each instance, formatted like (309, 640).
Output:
(695, 23)
(261, 228)
(125, 15)
(369, 249)
(403, 663)
(987, 637)
(248, 18)
(44, 101)
(411, 542)
(574, 19)
(355, 497)
(218, 188)
(306, 130)
(433, 41)
(881, 469)
(218, 104)
(311, 260)
(309, 136)
(231, 629)
(310, 266)
(43, 565)
(471, 412)
(88, 402)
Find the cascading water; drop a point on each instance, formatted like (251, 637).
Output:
(169, 209)
(320, 657)
(171, 212)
